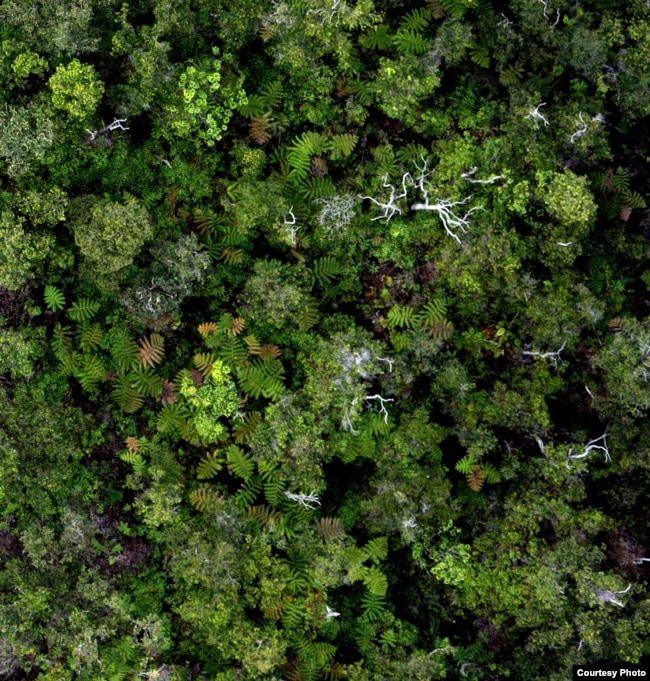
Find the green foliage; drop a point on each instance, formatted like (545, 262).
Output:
(54, 298)
(83, 310)
(76, 89)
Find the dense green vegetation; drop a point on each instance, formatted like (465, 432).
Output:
(324, 339)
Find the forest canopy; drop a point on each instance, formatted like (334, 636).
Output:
(324, 339)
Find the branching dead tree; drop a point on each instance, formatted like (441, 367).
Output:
(535, 115)
(590, 447)
(608, 596)
(305, 500)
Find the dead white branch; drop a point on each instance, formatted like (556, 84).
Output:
(331, 613)
(386, 359)
(389, 207)
(382, 401)
(608, 596)
(555, 356)
(305, 500)
(468, 176)
(590, 447)
(535, 115)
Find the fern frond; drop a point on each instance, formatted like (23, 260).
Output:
(136, 460)
(274, 491)
(245, 429)
(330, 529)
(436, 8)
(466, 464)
(309, 317)
(407, 41)
(341, 146)
(416, 20)
(334, 672)
(168, 393)
(476, 477)
(232, 256)
(206, 221)
(292, 614)
(273, 94)
(373, 605)
(248, 492)
(363, 91)
(400, 316)
(61, 341)
(621, 181)
(147, 382)
(270, 352)
(324, 270)
(511, 75)
(376, 549)
(237, 326)
(481, 57)
(239, 463)
(132, 443)
(152, 350)
(91, 336)
(209, 466)
(172, 418)
(83, 310)
(127, 395)
(91, 373)
(264, 516)
(124, 350)
(233, 352)
(441, 331)
(376, 38)
(433, 311)
(375, 581)
(492, 474)
(208, 329)
(54, 298)
(205, 498)
(259, 129)
(203, 361)
(252, 344)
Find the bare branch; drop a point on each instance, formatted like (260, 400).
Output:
(589, 447)
(468, 176)
(389, 207)
(304, 499)
(386, 359)
(382, 401)
(331, 613)
(555, 356)
(535, 115)
(608, 596)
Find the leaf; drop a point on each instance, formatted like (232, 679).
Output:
(373, 605)
(465, 464)
(376, 549)
(264, 516)
(54, 298)
(330, 529)
(239, 463)
(476, 477)
(270, 352)
(205, 498)
(203, 361)
(400, 316)
(232, 256)
(441, 331)
(245, 429)
(208, 329)
(91, 336)
(375, 581)
(152, 350)
(481, 57)
(341, 146)
(123, 349)
(324, 270)
(83, 310)
(147, 382)
(127, 396)
(258, 129)
(209, 466)
(91, 372)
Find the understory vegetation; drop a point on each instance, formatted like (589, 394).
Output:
(324, 339)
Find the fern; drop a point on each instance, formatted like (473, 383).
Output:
(264, 516)
(270, 352)
(253, 345)
(257, 383)
(481, 57)
(203, 361)
(511, 75)
(207, 329)
(375, 581)
(136, 460)
(54, 298)
(123, 349)
(363, 91)
(314, 188)
(292, 614)
(232, 256)
(61, 341)
(416, 20)
(91, 373)
(400, 316)
(436, 8)
(172, 418)
(441, 331)
(132, 443)
(249, 492)
(209, 466)
(409, 42)
(259, 129)
(466, 464)
(127, 395)
(309, 317)
(152, 350)
(376, 549)
(621, 181)
(330, 529)
(147, 382)
(341, 146)
(233, 352)
(324, 270)
(205, 498)
(373, 605)
(91, 336)
(274, 491)
(492, 475)
(83, 310)
(244, 430)
(377, 38)
(334, 672)
(476, 477)
(207, 222)
(239, 463)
